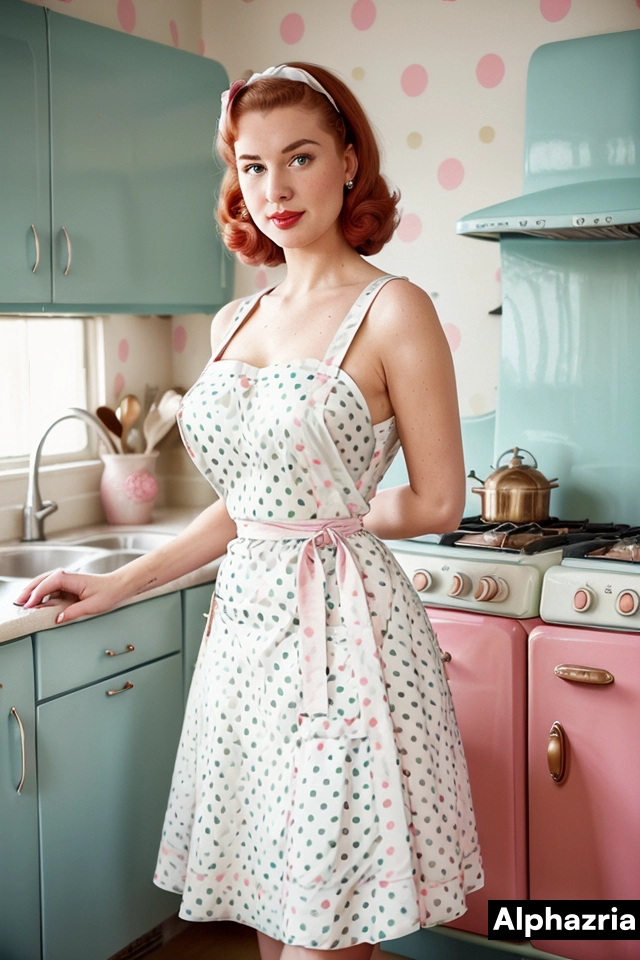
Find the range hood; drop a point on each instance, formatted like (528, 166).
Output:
(582, 146)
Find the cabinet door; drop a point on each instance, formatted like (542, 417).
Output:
(584, 831)
(196, 602)
(19, 893)
(104, 765)
(24, 155)
(133, 176)
(487, 679)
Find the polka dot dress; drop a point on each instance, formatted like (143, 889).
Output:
(350, 823)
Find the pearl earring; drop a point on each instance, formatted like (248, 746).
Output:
(349, 184)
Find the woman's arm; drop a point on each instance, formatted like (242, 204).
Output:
(203, 541)
(420, 380)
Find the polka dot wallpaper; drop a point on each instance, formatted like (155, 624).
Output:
(444, 84)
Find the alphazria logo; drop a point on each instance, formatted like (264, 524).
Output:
(563, 919)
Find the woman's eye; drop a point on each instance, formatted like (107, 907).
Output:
(302, 160)
(254, 168)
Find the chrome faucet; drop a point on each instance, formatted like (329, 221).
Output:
(35, 510)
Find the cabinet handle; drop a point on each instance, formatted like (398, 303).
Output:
(129, 649)
(578, 674)
(37, 242)
(23, 749)
(557, 752)
(68, 239)
(127, 686)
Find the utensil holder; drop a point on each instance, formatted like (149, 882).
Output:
(128, 487)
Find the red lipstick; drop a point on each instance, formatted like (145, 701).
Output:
(285, 219)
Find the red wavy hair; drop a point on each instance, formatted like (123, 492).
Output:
(369, 213)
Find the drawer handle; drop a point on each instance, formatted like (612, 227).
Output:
(23, 749)
(557, 752)
(37, 242)
(127, 686)
(68, 239)
(578, 674)
(129, 649)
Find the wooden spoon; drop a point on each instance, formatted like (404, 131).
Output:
(108, 417)
(129, 413)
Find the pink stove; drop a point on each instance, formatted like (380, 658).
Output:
(584, 731)
(481, 587)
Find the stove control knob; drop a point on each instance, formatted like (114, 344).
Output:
(583, 599)
(422, 580)
(491, 589)
(627, 602)
(460, 585)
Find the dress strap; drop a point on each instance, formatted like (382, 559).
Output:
(245, 308)
(347, 330)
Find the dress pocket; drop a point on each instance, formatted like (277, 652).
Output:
(334, 828)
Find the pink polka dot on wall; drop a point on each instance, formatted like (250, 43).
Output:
(414, 80)
(118, 385)
(409, 228)
(554, 10)
(490, 70)
(173, 27)
(453, 335)
(292, 28)
(261, 279)
(127, 15)
(123, 350)
(450, 173)
(363, 14)
(179, 339)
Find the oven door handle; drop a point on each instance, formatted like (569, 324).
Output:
(577, 674)
(557, 752)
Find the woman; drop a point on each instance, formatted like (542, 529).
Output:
(320, 793)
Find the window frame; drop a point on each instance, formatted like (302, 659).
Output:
(93, 359)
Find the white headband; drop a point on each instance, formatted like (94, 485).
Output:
(281, 72)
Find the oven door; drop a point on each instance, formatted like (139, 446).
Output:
(584, 830)
(487, 678)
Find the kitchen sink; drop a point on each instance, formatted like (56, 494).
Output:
(96, 553)
(109, 561)
(143, 541)
(31, 559)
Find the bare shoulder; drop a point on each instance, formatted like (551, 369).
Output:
(221, 321)
(403, 310)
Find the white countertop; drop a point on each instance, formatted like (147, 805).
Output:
(18, 622)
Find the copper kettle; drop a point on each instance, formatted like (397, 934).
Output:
(516, 492)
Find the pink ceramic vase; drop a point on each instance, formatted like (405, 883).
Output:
(128, 487)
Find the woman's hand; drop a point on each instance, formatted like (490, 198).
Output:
(90, 593)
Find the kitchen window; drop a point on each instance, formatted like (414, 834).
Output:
(46, 365)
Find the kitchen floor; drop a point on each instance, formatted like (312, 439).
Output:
(221, 940)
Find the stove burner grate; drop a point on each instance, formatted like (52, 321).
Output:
(623, 547)
(529, 538)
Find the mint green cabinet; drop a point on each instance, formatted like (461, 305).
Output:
(196, 602)
(106, 752)
(24, 155)
(19, 900)
(134, 180)
(106, 148)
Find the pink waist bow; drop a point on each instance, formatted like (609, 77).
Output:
(311, 600)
